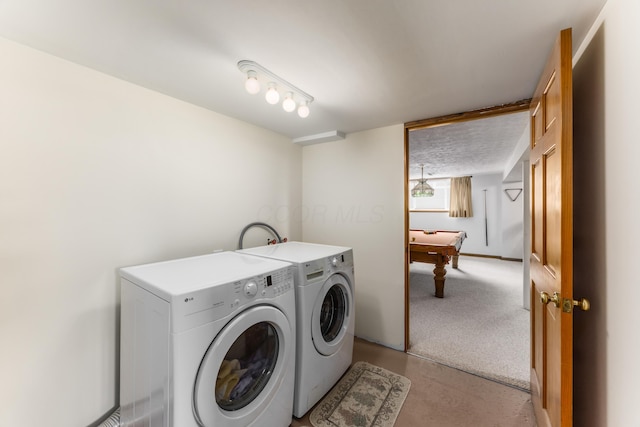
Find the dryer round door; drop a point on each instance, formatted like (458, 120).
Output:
(331, 312)
(243, 368)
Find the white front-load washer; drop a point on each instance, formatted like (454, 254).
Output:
(207, 341)
(324, 285)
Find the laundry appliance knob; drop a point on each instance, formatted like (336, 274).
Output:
(250, 289)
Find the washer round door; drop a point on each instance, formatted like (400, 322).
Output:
(330, 316)
(243, 368)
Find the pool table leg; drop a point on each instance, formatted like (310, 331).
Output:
(454, 261)
(439, 272)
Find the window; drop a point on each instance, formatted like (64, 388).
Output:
(438, 202)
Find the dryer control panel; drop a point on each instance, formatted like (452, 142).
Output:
(321, 268)
(340, 260)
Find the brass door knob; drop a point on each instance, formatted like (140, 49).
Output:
(584, 304)
(546, 299)
(567, 303)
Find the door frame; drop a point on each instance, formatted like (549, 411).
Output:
(514, 107)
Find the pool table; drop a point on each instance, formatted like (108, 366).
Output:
(436, 247)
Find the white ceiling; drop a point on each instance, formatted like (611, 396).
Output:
(367, 63)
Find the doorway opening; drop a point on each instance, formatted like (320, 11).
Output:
(481, 323)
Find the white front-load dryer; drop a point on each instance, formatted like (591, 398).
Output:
(324, 285)
(208, 341)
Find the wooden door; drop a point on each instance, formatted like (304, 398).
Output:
(551, 168)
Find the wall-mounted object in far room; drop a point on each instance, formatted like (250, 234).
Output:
(486, 222)
(513, 193)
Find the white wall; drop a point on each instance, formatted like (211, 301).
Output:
(606, 226)
(353, 196)
(96, 174)
(504, 220)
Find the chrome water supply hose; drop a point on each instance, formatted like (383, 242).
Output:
(262, 225)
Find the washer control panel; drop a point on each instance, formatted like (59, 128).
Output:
(217, 302)
(265, 286)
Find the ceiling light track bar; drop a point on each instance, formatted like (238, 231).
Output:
(246, 66)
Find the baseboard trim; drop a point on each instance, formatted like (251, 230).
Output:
(492, 256)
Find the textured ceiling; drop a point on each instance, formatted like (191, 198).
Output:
(473, 147)
(367, 63)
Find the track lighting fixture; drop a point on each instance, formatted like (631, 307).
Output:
(292, 95)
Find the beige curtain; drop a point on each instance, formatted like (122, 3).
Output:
(460, 205)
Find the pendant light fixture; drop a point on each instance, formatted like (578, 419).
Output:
(293, 97)
(422, 188)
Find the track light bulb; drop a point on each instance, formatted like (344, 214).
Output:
(251, 84)
(303, 109)
(272, 96)
(289, 104)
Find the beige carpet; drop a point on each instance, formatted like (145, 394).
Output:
(479, 326)
(366, 396)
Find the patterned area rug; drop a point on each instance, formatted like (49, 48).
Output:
(366, 396)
